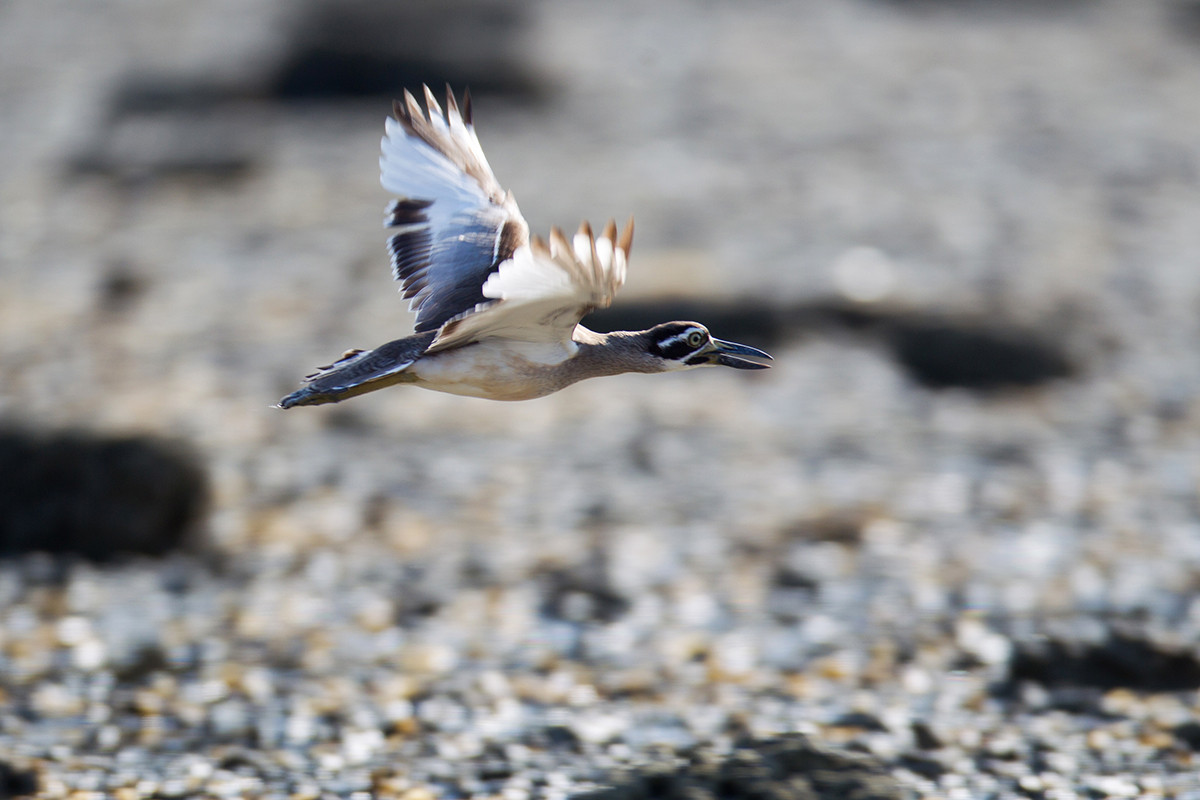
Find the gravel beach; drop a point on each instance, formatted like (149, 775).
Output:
(948, 547)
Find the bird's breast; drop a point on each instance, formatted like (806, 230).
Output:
(497, 369)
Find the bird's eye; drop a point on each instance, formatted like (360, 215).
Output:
(695, 338)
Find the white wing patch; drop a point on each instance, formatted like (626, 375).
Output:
(545, 288)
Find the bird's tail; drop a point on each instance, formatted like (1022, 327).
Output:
(360, 371)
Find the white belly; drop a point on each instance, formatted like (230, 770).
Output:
(495, 369)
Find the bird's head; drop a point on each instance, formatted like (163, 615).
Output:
(683, 345)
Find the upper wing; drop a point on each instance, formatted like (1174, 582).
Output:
(545, 288)
(453, 223)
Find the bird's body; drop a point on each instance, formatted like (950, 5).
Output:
(499, 369)
(497, 311)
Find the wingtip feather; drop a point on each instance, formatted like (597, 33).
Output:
(610, 231)
(626, 242)
(597, 264)
(558, 242)
(431, 103)
(413, 109)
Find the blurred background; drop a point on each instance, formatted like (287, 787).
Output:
(960, 510)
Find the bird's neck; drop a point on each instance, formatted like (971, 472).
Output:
(602, 354)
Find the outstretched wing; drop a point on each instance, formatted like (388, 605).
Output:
(454, 225)
(542, 291)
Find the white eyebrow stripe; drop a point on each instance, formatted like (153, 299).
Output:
(679, 337)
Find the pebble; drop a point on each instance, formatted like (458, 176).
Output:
(420, 596)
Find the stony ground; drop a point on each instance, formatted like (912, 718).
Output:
(949, 547)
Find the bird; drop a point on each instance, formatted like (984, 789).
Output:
(497, 310)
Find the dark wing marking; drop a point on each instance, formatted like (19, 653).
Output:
(454, 225)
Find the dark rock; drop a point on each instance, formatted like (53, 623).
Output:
(859, 719)
(119, 288)
(1189, 734)
(95, 496)
(135, 149)
(944, 353)
(789, 579)
(361, 48)
(1184, 18)
(925, 766)
(154, 127)
(1121, 661)
(786, 768)
(558, 737)
(16, 782)
(582, 594)
(844, 527)
(147, 660)
(583, 603)
(924, 736)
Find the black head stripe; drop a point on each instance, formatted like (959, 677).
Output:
(675, 349)
(670, 341)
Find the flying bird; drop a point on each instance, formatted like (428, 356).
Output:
(498, 311)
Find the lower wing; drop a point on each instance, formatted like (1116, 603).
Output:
(359, 372)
